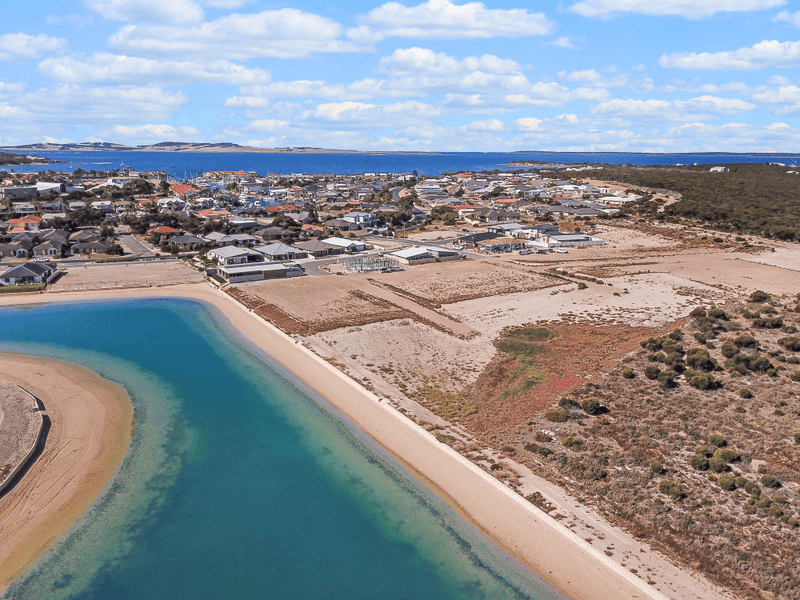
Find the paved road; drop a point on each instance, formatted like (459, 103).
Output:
(134, 245)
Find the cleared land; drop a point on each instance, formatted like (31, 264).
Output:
(432, 343)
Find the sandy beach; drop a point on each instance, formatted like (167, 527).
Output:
(91, 421)
(549, 548)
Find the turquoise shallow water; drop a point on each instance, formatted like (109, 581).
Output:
(238, 484)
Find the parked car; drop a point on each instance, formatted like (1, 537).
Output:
(560, 251)
(525, 251)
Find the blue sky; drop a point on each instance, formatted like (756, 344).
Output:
(581, 75)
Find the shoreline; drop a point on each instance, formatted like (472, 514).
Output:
(87, 433)
(547, 547)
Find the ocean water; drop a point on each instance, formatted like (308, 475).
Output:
(238, 484)
(187, 165)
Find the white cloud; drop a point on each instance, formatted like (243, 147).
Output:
(145, 134)
(416, 61)
(69, 103)
(564, 42)
(17, 46)
(285, 33)
(104, 67)
(769, 53)
(170, 11)
(665, 111)
(691, 9)
(527, 124)
(783, 101)
(490, 126)
(441, 19)
(268, 126)
(787, 17)
(370, 116)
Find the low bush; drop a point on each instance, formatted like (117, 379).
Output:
(790, 343)
(670, 488)
(727, 482)
(652, 372)
(728, 455)
(591, 406)
(745, 393)
(746, 341)
(572, 442)
(718, 464)
(656, 468)
(628, 373)
(717, 440)
(701, 381)
(557, 415)
(769, 481)
(759, 297)
(699, 462)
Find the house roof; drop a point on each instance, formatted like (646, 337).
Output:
(163, 229)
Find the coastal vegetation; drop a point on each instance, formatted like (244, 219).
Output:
(749, 198)
(695, 455)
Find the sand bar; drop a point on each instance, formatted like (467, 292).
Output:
(549, 548)
(88, 429)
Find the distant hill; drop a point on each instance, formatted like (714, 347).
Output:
(177, 147)
(7, 159)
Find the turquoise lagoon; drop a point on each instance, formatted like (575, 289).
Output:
(239, 483)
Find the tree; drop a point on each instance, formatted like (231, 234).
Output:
(164, 186)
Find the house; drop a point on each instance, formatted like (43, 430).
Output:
(30, 222)
(342, 225)
(93, 247)
(186, 241)
(318, 248)
(259, 272)
(53, 248)
(362, 219)
(349, 246)
(28, 273)
(19, 192)
(504, 228)
(270, 234)
(417, 255)
(279, 251)
(163, 229)
(230, 239)
(19, 249)
(230, 255)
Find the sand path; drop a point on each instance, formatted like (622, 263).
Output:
(88, 428)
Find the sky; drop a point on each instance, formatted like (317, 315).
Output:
(576, 75)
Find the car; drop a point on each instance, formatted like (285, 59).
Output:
(41, 259)
(465, 230)
(525, 251)
(398, 268)
(560, 251)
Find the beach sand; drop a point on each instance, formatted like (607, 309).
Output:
(90, 423)
(549, 548)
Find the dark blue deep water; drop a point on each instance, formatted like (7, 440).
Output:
(239, 485)
(187, 165)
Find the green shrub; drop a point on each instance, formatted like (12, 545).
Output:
(543, 437)
(699, 462)
(718, 464)
(745, 393)
(768, 323)
(531, 448)
(628, 373)
(699, 359)
(718, 313)
(572, 442)
(790, 343)
(652, 372)
(746, 341)
(774, 510)
(567, 402)
(729, 350)
(667, 378)
(796, 376)
(591, 406)
(752, 489)
(797, 438)
(759, 297)
(727, 482)
(739, 409)
(701, 381)
(670, 488)
(728, 455)
(740, 482)
(717, 440)
(701, 312)
(769, 481)
(656, 468)
(557, 415)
